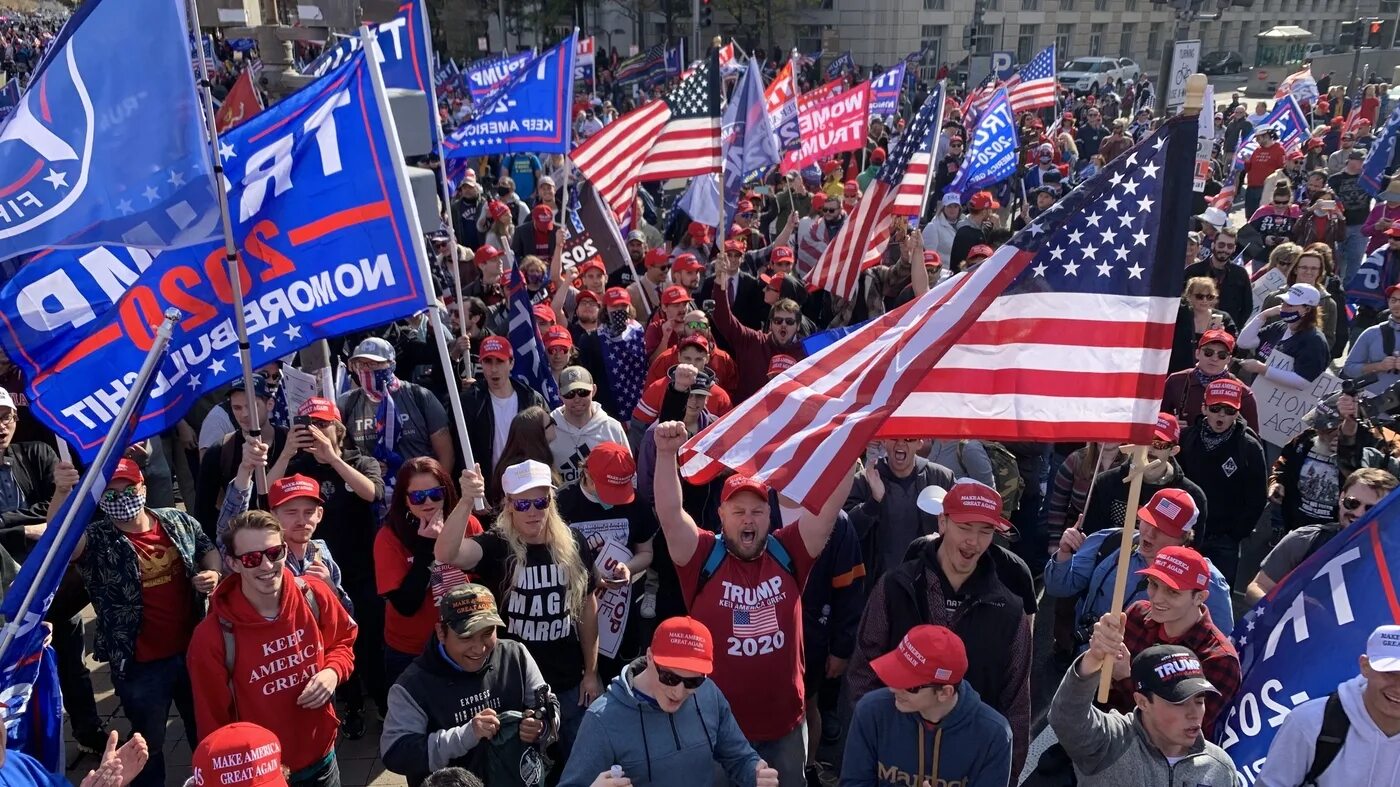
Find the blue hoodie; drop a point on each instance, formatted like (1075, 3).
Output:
(970, 747)
(654, 747)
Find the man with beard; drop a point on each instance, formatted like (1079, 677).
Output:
(981, 218)
(1226, 459)
(1361, 492)
(753, 349)
(580, 424)
(466, 209)
(883, 505)
(960, 580)
(1236, 296)
(816, 231)
(492, 402)
(745, 584)
(637, 253)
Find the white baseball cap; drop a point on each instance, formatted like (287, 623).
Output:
(6, 400)
(1383, 649)
(1302, 295)
(528, 474)
(930, 500)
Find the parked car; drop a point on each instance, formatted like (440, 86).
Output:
(1091, 74)
(1221, 61)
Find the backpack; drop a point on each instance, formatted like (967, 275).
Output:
(1006, 474)
(226, 626)
(1335, 725)
(509, 760)
(718, 553)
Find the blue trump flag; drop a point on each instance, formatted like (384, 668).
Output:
(884, 91)
(24, 682)
(9, 98)
(840, 65)
(405, 56)
(528, 114)
(94, 153)
(992, 156)
(1379, 157)
(326, 249)
(531, 362)
(484, 77)
(1304, 637)
(746, 134)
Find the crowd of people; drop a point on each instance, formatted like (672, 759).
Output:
(545, 599)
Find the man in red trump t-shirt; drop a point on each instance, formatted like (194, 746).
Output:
(745, 585)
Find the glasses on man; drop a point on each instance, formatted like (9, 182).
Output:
(111, 495)
(9, 418)
(1221, 409)
(1221, 354)
(784, 320)
(577, 393)
(255, 558)
(1162, 445)
(669, 678)
(420, 496)
(523, 504)
(1352, 503)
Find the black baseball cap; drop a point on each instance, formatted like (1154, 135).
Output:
(1170, 672)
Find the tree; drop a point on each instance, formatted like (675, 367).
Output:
(764, 14)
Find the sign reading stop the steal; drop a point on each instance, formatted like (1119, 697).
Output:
(1186, 57)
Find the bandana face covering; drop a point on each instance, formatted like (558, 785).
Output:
(617, 320)
(377, 382)
(122, 507)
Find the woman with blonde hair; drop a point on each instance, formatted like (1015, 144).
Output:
(1196, 315)
(1314, 266)
(541, 572)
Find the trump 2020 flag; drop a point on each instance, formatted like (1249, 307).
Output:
(1380, 156)
(884, 91)
(1304, 637)
(747, 136)
(404, 51)
(326, 249)
(95, 153)
(485, 76)
(528, 114)
(531, 362)
(22, 676)
(840, 65)
(992, 156)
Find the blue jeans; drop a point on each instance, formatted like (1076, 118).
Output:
(1351, 251)
(570, 717)
(146, 691)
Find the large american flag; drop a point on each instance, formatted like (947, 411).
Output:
(1034, 86)
(1062, 335)
(909, 197)
(674, 137)
(755, 622)
(861, 241)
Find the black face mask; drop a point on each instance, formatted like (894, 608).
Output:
(503, 192)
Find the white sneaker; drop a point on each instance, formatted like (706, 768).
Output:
(648, 607)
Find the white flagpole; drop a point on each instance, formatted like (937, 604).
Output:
(396, 163)
(104, 453)
(240, 324)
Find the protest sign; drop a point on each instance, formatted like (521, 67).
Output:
(608, 539)
(1281, 408)
(833, 125)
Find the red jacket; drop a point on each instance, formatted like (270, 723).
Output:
(752, 350)
(272, 662)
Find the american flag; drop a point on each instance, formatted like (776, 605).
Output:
(625, 361)
(977, 100)
(674, 137)
(862, 239)
(640, 66)
(1034, 87)
(909, 198)
(755, 622)
(1062, 335)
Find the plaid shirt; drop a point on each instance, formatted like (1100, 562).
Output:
(1219, 661)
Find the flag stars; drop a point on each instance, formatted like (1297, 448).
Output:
(1071, 269)
(1093, 219)
(1108, 235)
(292, 333)
(1130, 187)
(57, 179)
(1135, 271)
(1040, 270)
(1125, 220)
(1139, 238)
(1075, 237)
(1090, 252)
(1116, 178)
(1150, 171)
(176, 179)
(151, 194)
(1105, 269)
(267, 342)
(1145, 204)
(216, 366)
(226, 151)
(193, 382)
(1057, 254)
(1121, 253)
(1112, 204)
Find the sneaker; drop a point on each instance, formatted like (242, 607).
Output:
(91, 741)
(814, 776)
(648, 607)
(352, 727)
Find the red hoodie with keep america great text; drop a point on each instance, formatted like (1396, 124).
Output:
(273, 660)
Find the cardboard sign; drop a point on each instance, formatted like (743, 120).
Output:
(1281, 407)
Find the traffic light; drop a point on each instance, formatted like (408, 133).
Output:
(970, 38)
(707, 13)
(1349, 36)
(1373, 37)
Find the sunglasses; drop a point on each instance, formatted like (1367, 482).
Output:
(669, 678)
(112, 494)
(422, 496)
(1351, 504)
(577, 394)
(1221, 354)
(255, 558)
(1201, 296)
(1162, 445)
(1221, 409)
(784, 320)
(831, 211)
(524, 505)
(698, 326)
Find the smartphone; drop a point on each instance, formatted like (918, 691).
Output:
(301, 420)
(1327, 204)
